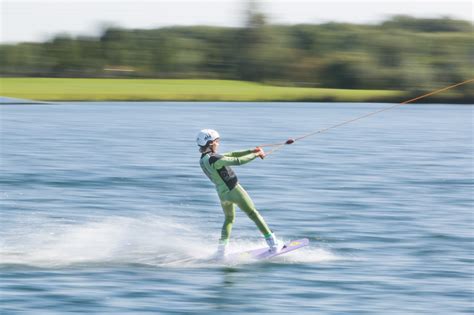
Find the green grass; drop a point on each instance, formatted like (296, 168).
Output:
(57, 89)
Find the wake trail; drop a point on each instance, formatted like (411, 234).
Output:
(147, 240)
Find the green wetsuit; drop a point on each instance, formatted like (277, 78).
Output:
(217, 168)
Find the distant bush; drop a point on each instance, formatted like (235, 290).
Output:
(401, 53)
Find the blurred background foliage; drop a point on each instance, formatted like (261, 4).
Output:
(402, 53)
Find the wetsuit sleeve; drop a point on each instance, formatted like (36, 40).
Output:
(228, 161)
(236, 154)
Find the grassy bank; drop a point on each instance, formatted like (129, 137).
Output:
(59, 89)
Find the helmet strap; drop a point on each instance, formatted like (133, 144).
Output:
(205, 149)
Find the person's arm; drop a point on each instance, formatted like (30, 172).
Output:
(239, 160)
(228, 161)
(237, 154)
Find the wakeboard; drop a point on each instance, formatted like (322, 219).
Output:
(265, 253)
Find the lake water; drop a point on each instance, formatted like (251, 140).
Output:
(104, 209)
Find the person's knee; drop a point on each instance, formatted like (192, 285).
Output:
(229, 219)
(252, 214)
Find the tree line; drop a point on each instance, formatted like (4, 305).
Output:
(402, 52)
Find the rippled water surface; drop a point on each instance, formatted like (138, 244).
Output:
(104, 209)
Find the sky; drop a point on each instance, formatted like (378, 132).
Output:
(41, 20)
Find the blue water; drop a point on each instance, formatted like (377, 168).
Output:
(104, 209)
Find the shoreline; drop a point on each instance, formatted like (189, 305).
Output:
(71, 102)
(50, 90)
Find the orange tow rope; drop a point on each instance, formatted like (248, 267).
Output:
(280, 145)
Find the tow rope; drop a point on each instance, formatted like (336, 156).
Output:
(280, 145)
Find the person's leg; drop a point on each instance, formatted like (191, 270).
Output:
(243, 200)
(229, 212)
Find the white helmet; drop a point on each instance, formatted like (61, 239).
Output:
(206, 135)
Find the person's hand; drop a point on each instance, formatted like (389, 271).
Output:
(259, 152)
